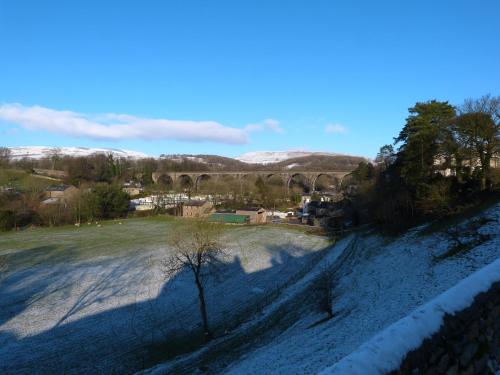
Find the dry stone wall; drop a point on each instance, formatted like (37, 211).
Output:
(467, 343)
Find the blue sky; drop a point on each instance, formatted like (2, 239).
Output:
(227, 77)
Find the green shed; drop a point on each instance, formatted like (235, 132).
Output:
(229, 218)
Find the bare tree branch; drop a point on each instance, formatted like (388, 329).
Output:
(197, 248)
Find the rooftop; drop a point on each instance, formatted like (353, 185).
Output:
(51, 201)
(255, 209)
(58, 188)
(228, 218)
(195, 203)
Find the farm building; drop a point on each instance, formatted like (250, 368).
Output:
(195, 208)
(257, 214)
(229, 218)
(132, 188)
(61, 191)
(60, 194)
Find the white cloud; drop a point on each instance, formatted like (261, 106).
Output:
(254, 128)
(335, 128)
(120, 126)
(268, 124)
(273, 125)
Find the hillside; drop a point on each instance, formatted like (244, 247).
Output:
(377, 281)
(304, 160)
(204, 162)
(93, 299)
(310, 162)
(260, 160)
(39, 152)
(21, 180)
(321, 162)
(269, 157)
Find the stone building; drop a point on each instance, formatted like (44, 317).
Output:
(60, 194)
(197, 208)
(132, 188)
(257, 215)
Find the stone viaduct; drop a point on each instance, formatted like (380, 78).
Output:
(308, 178)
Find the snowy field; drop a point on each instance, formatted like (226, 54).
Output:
(93, 299)
(381, 282)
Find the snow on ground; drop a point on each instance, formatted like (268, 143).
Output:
(267, 157)
(38, 152)
(90, 299)
(385, 352)
(286, 298)
(383, 282)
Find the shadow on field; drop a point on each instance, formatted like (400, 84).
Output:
(135, 336)
(25, 282)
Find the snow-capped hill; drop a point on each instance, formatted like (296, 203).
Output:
(39, 152)
(267, 157)
(181, 158)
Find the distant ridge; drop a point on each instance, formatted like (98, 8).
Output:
(269, 157)
(39, 152)
(259, 160)
(268, 160)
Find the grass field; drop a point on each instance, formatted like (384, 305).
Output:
(25, 181)
(70, 243)
(93, 299)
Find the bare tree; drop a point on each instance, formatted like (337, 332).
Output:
(197, 248)
(5, 155)
(55, 156)
(324, 289)
(478, 129)
(486, 104)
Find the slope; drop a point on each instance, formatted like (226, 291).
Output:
(377, 281)
(383, 282)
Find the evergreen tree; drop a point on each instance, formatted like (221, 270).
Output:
(421, 140)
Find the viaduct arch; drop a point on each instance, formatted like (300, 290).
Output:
(194, 178)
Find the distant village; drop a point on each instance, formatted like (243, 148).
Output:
(320, 209)
(58, 197)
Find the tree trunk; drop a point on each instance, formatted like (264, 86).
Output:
(486, 171)
(422, 155)
(203, 310)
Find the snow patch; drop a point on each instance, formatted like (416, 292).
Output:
(268, 157)
(385, 351)
(100, 293)
(383, 282)
(39, 152)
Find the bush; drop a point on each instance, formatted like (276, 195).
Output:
(26, 218)
(7, 220)
(495, 179)
(55, 214)
(10, 219)
(434, 198)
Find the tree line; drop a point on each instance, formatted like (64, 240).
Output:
(89, 204)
